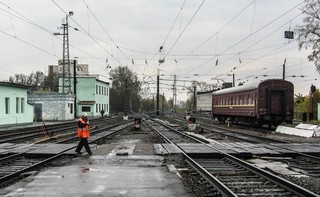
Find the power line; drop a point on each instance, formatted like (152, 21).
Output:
(28, 43)
(165, 40)
(185, 28)
(104, 30)
(88, 33)
(245, 38)
(216, 33)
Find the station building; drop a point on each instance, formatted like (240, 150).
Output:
(52, 106)
(92, 96)
(15, 107)
(91, 93)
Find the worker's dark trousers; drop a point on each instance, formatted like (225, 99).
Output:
(83, 142)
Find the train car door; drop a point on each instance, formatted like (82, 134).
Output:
(275, 102)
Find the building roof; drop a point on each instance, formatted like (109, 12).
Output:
(207, 92)
(244, 87)
(16, 85)
(93, 76)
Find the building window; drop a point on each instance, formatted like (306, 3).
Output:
(96, 89)
(71, 108)
(107, 108)
(7, 103)
(86, 108)
(107, 91)
(104, 107)
(17, 104)
(97, 108)
(22, 105)
(99, 89)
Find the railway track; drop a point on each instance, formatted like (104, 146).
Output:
(46, 133)
(18, 165)
(244, 180)
(230, 176)
(231, 133)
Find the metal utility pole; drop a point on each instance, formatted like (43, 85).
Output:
(194, 96)
(75, 87)
(233, 80)
(284, 69)
(66, 82)
(312, 90)
(174, 101)
(158, 78)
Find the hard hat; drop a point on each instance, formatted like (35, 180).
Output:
(84, 114)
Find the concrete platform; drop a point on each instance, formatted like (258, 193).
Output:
(103, 176)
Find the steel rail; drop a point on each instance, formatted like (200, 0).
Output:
(7, 178)
(296, 189)
(225, 191)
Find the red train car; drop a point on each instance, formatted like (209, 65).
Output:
(267, 102)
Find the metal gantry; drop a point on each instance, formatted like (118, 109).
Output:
(66, 75)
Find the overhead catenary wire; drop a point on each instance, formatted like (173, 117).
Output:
(30, 22)
(246, 37)
(179, 13)
(184, 29)
(88, 34)
(216, 33)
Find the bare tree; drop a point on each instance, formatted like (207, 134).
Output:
(309, 32)
(34, 80)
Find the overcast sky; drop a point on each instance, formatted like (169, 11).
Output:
(201, 39)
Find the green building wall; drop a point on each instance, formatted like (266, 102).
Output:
(15, 108)
(92, 95)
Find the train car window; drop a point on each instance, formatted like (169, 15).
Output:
(245, 99)
(232, 100)
(249, 99)
(240, 100)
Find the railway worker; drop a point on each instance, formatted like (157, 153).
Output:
(83, 134)
(102, 112)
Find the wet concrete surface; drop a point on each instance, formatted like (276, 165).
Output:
(108, 172)
(103, 176)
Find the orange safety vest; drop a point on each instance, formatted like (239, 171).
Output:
(85, 131)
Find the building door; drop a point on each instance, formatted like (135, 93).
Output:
(38, 111)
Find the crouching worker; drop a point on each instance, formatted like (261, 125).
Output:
(83, 134)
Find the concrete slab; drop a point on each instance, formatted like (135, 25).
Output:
(104, 176)
(8, 148)
(52, 148)
(277, 167)
(159, 150)
(171, 149)
(298, 131)
(303, 148)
